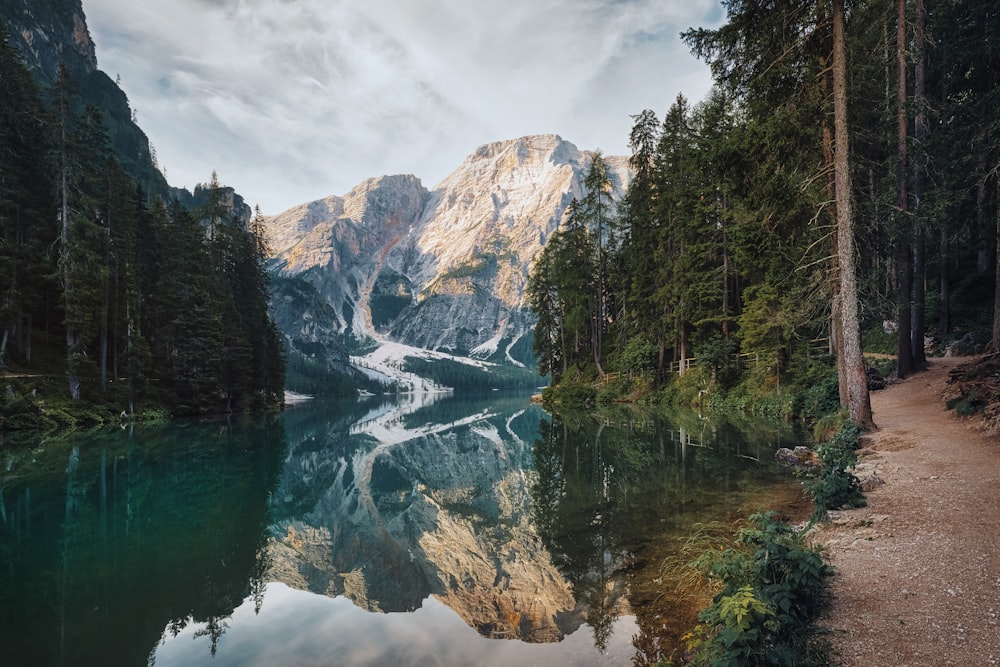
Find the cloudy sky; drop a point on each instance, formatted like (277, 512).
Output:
(293, 100)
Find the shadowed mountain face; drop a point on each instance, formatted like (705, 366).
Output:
(50, 32)
(442, 269)
(393, 508)
(53, 33)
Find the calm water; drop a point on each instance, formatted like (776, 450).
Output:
(453, 532)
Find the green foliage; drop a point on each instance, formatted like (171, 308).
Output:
(772, 588)
(833, 486)
(967, 404)
(718, 354)
(570, 393)
(465, 377)
(639, 355)
(469, 269)
(389, 297)
(149, 303)
(690, 389)
(820, 397)
(875, 339)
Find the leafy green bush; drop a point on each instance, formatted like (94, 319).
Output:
(833, 486)
(570, 394)
(719, 355)
(773, 587)
(821, 397)
(966, 405)
(875, 339)
(639, 355)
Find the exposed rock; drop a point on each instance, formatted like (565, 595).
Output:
(964, 346)
(49, 35)
(800, 458)
(444, 269)
(868, 476)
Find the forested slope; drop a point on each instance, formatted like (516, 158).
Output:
(840, 182)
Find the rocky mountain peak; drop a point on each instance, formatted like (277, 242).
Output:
(446, 269)
(50, 32)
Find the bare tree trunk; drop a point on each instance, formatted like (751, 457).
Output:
(859, 401)
(72, 336)
(3, 347)
(982, 255)
(725, 279)
(995, 344)
(904, 268)
(104, 338)
(919, 168)
(944, 315)
(836, 324)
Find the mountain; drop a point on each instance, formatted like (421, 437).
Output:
(444, 269)
(53, 33)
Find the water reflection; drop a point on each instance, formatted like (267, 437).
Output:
(417, 500)
(617, 493)
(412, 532)
(116, 536)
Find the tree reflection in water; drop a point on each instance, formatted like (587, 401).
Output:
(617, 493)
(524, 526)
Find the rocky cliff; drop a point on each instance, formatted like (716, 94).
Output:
(442, 269)
(49, 33)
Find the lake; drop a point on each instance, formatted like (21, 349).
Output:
(419, 530)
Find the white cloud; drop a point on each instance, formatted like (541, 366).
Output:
(294, 100)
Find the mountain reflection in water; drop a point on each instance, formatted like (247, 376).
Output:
(417, 531)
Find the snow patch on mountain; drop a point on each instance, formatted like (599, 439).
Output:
(386, 364)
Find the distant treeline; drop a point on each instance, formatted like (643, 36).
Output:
(463, 377)
(149, 300)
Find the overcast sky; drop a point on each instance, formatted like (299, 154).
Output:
(293, 100)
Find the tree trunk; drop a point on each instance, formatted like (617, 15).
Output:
(836, 325)
(944, 314)
(72, 336)
(856, 380)
(919, 168)
(725, 279)
(995, 344)
(104, 338)
(3, 347)
(904, 268)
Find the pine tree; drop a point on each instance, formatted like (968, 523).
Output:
(856, 379)
(27, 213)
(82, 152)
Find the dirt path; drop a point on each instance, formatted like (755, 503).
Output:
(918, 570)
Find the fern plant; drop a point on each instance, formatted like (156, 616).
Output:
(773, 587)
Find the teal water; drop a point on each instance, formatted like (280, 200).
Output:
(425, 531)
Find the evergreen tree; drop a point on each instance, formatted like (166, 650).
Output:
(27, 213)
(774, 58)
(594, 212)
(82, 152)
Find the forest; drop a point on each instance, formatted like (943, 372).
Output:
(130, 300)
(837, 190)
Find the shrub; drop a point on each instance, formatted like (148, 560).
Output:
(773, 587)
(570, 394)
(821, 397)
(833, 486)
